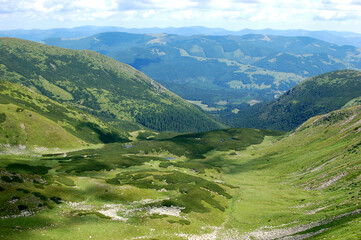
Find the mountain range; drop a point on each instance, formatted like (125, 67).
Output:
(222, 72)
(339, 38)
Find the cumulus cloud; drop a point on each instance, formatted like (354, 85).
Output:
(333, 16)
(126, 5)
(197, 11)
(356, 2)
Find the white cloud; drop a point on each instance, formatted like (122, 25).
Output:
(108, 5)
(327, 15)
(148, 13)
(267, 13)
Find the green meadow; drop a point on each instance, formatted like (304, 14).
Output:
(223, 184)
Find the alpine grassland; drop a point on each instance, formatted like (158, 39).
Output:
(223, 184)
(33, 121)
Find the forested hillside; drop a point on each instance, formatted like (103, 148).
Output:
(106, 88)
(314, 96)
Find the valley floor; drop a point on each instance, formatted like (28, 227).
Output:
(300, 185)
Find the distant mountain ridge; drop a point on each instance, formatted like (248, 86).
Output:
(336, 37)
(108, 89)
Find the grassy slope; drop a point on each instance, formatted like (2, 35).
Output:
(314, 96)
(23, 127)
(100, 85)
(353, 102)
(76, 122)
(310, 176)
(303, 184)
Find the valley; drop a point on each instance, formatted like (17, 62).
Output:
(224, 184)
(93, 148)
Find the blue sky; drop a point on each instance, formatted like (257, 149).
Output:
(339, 15)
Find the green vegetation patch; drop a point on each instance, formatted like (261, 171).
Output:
(41, 196)
(87, 213)
(66, 181)
(12, 179)
(2, 117)
(104, 160)
(193, 146)
(193, 189)
(333, 117)
(181, 221)
(22, 190)
(25, 168)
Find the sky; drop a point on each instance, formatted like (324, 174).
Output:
(338, 15)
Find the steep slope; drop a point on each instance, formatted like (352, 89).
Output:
(33, 120)
(314, 96)
(23, 130)
(223, 72)
(99, 85)
(307, 184)
(353, 102)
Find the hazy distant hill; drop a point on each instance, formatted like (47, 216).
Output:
(113, 91)
(340, 38)
(314, 96)
(223, 72)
